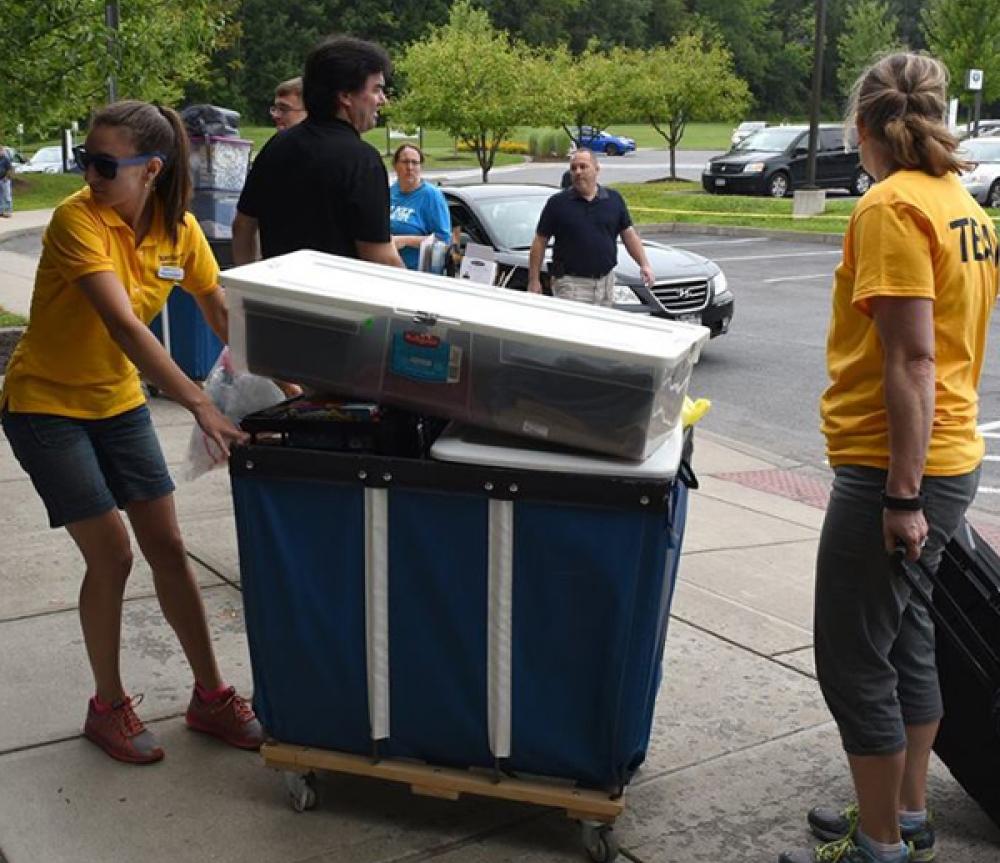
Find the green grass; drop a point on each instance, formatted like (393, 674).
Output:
(686, 202)
(42, 191)
(9, 319)
(439, 148)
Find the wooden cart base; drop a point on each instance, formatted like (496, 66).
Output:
(595, 810)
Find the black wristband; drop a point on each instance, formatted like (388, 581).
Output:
(903, 504)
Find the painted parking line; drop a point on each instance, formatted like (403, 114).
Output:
(991, 458)
(985, 427)
(985, 489)
(740, 241)
(799, 278)
(783, 255)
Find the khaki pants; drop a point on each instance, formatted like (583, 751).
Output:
(581, 289)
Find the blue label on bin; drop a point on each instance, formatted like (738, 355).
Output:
(422, 357)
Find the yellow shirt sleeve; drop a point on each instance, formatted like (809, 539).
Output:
(80, 242)
(201, 272)
(894, 248)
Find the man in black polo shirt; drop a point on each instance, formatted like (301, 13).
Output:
(586, 219)
(318, 185)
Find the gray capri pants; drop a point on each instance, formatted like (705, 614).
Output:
(874, 640)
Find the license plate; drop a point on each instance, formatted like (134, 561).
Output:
(720, 181)
(689, 319)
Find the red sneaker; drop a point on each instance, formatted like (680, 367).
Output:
(230, 718)
(121, 733)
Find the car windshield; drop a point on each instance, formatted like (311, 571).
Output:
(980, 150)
(46, 156)
(512, 221)
(769, 140)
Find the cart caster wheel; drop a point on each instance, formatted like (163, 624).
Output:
(301, 790)
(600, 842)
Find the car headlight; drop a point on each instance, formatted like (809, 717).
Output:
(623, 295)
(753, 167)
(720, 287)
(708, 167)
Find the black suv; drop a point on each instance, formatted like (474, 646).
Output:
(773, 162)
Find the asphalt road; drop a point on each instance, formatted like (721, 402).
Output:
(638, 167)
(765, 376)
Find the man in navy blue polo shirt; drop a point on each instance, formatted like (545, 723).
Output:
(586, 219)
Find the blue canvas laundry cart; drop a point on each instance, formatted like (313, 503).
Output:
(495, 610)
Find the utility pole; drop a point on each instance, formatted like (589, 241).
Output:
(817, 87)
(112, 16)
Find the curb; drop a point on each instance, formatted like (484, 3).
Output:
(740, 231)
(14, 233)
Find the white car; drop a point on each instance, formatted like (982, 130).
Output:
(982, 180)
(48, 160)
(746, 129)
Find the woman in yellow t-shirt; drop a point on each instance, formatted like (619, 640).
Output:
(911, 305)
(76, 418)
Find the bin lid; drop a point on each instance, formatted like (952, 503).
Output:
(466, 444)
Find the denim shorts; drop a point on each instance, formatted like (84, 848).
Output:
(85, 468)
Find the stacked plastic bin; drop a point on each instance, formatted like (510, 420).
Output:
(219, 164)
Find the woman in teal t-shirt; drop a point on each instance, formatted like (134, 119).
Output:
(417, 209)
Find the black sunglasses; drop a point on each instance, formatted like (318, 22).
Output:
(107, 166)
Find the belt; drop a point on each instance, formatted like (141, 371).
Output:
(587, 275)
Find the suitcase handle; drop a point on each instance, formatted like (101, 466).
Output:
(906, 569)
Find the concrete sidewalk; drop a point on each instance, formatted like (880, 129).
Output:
(17, 272)
(742, 743)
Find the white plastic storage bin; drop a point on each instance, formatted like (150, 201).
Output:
(219, 163)
(534, 366)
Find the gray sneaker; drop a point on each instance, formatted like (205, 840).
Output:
(842, 851)
(831, 825)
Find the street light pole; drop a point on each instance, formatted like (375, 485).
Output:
(112, 16)
(817, 87)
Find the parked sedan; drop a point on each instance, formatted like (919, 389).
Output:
(688, 287)
(773, 162)
(983, 179)
(48, 160)
(606, 142)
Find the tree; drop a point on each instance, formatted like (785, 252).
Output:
(693, 79)
(470, 80)
(870, 29)
(57, 62)
(586, 90)
(966, 35)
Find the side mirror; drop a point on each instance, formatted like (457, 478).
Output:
(463, 240)
(801, 151)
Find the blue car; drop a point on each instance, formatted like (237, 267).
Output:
(605, 142)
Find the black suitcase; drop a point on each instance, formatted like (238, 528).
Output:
(966, 611)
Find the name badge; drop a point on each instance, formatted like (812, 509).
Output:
(174, 274)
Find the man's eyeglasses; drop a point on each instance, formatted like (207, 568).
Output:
(107, 166)
(279, 109)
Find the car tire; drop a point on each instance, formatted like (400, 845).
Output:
(993, 195)
(610, 150)
(778, 185)
(861, 182)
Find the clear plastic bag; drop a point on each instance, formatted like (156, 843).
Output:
(235, 394)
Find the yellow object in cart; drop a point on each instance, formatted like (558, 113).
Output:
(694, 410)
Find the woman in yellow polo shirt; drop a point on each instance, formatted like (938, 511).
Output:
(911, 306)
(76, 418)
